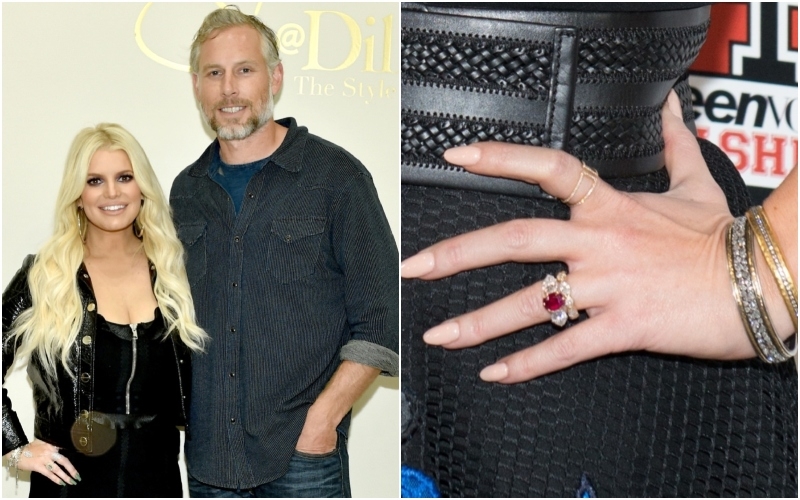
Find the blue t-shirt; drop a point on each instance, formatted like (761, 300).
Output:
(234, 178)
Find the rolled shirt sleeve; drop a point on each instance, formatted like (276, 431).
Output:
(368, 257)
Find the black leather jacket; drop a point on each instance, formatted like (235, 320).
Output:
(77, 391)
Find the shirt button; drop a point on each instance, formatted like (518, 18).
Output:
(232, 374)
(251, 195)
(233, 420)
(87, 340)
(287, 238)
(233, 330)
(90, 307)
(237, 239)
(235, 284)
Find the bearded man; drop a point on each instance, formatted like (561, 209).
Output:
(294, 273)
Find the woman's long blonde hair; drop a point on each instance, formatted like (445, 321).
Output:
(51, 325)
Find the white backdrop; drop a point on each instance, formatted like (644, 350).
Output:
(68, 66)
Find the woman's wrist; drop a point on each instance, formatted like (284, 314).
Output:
(13, 457)
(781, 211)
(754, 287)
(773, 300)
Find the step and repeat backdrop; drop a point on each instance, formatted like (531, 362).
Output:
(744, 87)
(69, 66)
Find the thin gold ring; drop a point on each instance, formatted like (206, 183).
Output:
(585, 171)
(591, 189)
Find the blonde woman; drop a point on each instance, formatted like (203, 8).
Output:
(104, 317)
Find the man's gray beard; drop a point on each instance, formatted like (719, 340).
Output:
(239, 132)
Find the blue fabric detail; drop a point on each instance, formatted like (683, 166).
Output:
(416, 484)
(586, 489)
(234, 178)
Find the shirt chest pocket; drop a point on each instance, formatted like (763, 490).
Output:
(294, 246)
(193, 237)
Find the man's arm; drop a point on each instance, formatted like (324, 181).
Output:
(367, 255)
(348, 383)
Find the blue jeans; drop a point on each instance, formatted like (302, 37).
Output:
(320, 476)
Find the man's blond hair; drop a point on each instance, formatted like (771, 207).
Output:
(229, 17)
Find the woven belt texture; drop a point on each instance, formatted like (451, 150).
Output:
(589, 85)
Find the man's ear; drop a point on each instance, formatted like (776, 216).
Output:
(194, 85)
(277, 79)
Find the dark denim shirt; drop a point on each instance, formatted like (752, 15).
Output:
(306, 272)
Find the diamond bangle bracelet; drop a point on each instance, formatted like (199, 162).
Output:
(740, 248)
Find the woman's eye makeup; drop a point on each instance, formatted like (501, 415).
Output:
(96, 181)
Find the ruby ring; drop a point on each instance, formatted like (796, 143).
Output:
(557, 299)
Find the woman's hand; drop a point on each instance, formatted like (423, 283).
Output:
(649, 269)
(45, 459)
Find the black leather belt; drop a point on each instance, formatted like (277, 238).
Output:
(591, 84)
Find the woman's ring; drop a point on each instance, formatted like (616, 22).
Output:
(586, 171)
(557, 299)
(57, 456)
(50, 466)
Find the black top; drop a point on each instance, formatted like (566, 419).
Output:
(153, 377)
(135, 443)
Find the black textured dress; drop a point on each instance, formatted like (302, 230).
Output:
(635, 424)
(136, 442)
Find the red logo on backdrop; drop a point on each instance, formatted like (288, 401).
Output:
(744, 88)
(730, 25)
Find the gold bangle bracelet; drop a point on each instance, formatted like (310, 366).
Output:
(779, 345)
(741, 244)
(737, 294)
(757, 220)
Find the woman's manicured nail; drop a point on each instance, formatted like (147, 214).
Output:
(62, 483)
(77, 476)
(465, 155)
(73, 482)
(674, 104)
(442, 334)
(417, 265)
(495, 372)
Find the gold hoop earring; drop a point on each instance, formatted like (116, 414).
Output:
(140, 232)
(81, 229)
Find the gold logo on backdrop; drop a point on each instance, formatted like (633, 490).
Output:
(292, 37)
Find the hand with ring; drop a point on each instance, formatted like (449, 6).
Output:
(45, 459)
(650, 270)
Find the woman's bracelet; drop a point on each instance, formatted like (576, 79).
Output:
(757, 220)
(13, 459)
(747, 293)
(759, 295)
